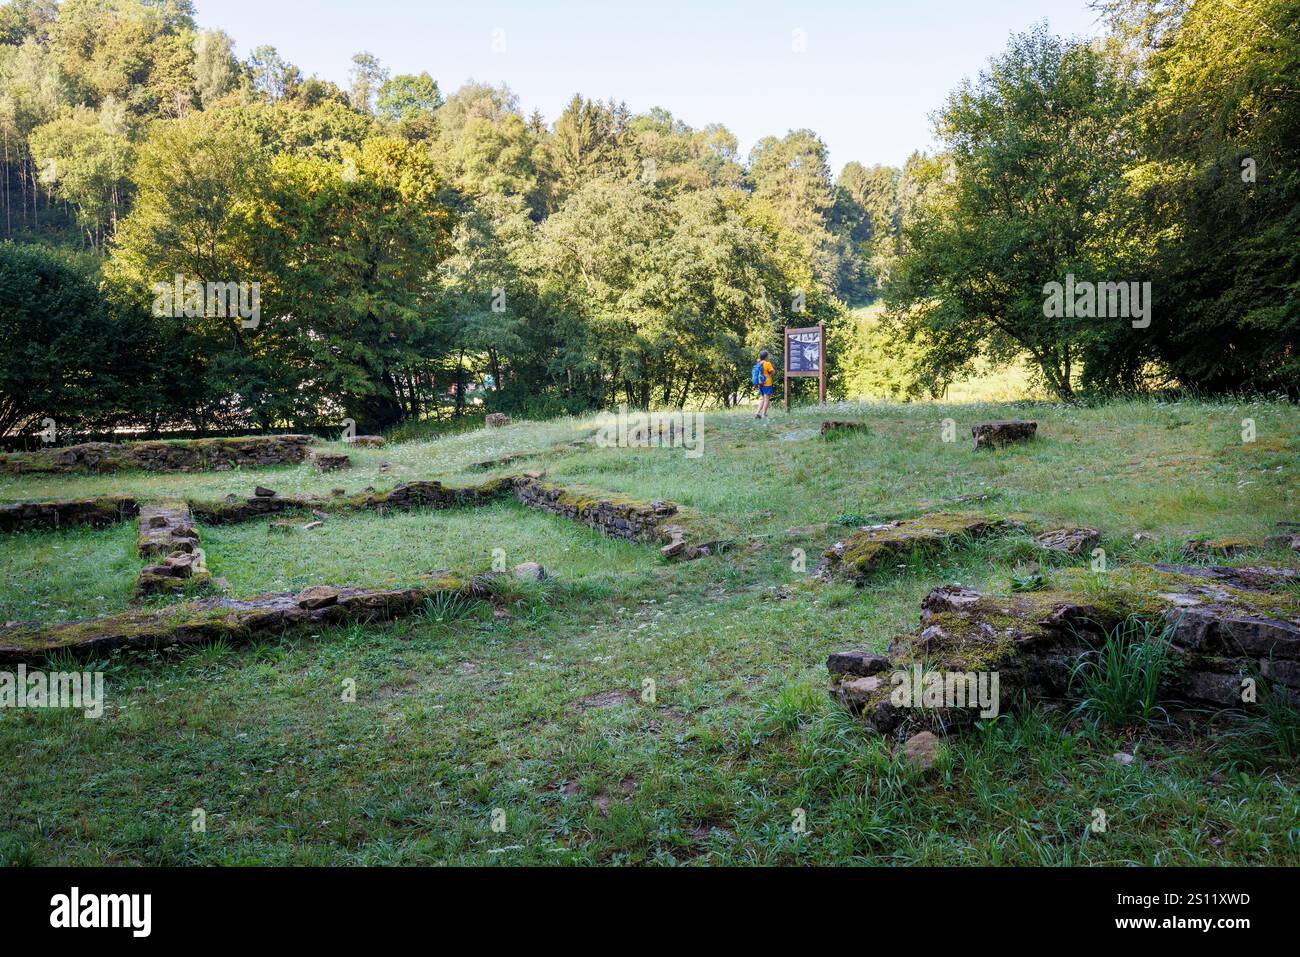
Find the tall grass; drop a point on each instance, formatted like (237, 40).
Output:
(1118, 681)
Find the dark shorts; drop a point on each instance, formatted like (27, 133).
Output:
(765, 389)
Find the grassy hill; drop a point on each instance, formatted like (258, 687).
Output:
(540, 710)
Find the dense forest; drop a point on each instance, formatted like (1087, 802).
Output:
(414, 248)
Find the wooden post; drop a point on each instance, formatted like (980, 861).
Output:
(821, 365)
(785, 362)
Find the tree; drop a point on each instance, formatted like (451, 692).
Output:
(355, 249)
(368, 77)
(66, 352)
(215, 66)
(270, 75)
(1031, 189)
(409, 98)
(86, 157)
(1220, 188)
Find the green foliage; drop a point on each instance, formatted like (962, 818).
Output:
(1119, 680)
(1025, 194)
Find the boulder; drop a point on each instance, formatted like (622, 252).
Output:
(530, 572)
(991, 435)
(1072, 541)
(873, 547)
(921, 750)
(330, 461)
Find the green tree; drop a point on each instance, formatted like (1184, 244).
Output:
(1031, 189)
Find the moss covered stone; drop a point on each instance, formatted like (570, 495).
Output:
(873, 547)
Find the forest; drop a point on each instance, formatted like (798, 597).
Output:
(414, 249)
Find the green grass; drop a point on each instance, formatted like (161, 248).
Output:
(69, 573)
(395, 549)
(540, 710)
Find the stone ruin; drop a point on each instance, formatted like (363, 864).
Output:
(181, 455)
(167, 530)
(233, 620)
(96, 512)
(842, 426)
(1226, 625)
(992, 435)
(873, 547)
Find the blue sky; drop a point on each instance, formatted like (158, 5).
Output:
(868, 78)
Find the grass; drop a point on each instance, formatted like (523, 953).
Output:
(1119, 681)
(540, 710)
(68, 573)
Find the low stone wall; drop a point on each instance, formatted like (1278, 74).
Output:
(1226, 625)
(213, 619)
(612, 517)
(185, 455)
(873, 547)
(98, 512)
(166, 530)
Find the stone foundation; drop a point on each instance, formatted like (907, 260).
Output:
(185, 455)
(873, 547)
(837, 426)
(992, 435)
(97, 512)
(1226, 625)
(612, 517)
(167, 529)
(213, 619)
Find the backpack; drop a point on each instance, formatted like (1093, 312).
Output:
(756, 376)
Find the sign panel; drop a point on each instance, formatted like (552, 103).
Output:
(803, 351)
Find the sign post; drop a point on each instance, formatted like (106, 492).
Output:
(805, 354)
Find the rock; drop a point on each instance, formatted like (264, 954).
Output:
(496, 420)
(876, 546)
(991, 435)
(1215, 547)
(1072, 541)
(331, 461)
(317, 596)
(1225, 624)
(263, 492)
(921, 750)
(365, 441)
(837, 426)
(856, 663)
(1122, 757)
(529, 571)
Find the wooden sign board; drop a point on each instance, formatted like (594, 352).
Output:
(805, 354)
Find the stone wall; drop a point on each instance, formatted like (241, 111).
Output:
(213, 619)
(185, 455)
(1225, 625)
(612, 517)
(98, 512)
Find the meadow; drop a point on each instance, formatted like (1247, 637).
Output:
(535, 716)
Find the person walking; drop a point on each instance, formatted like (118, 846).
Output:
(761, 376)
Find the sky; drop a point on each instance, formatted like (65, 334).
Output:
(865, 76)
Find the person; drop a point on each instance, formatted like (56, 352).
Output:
(762, 377)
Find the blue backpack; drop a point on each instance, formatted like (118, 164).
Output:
(756, 376)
